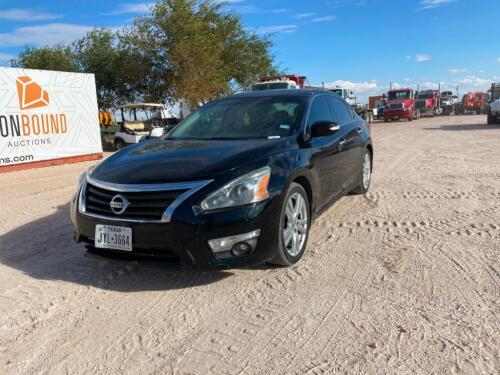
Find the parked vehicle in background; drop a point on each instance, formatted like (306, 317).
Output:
(428, 102)
(362, 110)
(449, 103)
(401, 105)
(474, 102)
(137, 121)
(290, 82)
(238, 182)
(377, 104)
(494, 107)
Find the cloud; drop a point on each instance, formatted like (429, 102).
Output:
(431, 4)
(423, 58)
(303, 15)
(456, 70)
(131, 8)
(346, 3)
(27, 15)
(324, 19)
(277, 29)
(429, 85)
(473, 81)
(355, 86)
(43, 35)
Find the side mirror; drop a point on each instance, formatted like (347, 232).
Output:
(324, 128)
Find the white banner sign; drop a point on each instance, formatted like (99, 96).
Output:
(47, 115)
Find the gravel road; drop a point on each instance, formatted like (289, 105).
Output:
(403, 280)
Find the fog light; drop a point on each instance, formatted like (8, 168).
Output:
(220, 245)
(241, 248)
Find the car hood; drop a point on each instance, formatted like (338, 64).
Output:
(161, 161)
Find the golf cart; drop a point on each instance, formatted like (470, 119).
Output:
(139, 121)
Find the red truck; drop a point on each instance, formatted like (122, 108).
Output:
(428, 102)
(475, 102)
(401, 105)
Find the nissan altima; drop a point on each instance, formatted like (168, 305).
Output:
(238, 182)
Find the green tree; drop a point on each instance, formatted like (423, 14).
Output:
(190, 50)
(58, 57)
(196, 51)
(98, 53)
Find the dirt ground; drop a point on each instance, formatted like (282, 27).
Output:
(402, 280)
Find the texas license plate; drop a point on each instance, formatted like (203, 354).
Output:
(112, 237)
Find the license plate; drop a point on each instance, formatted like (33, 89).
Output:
(112, 237)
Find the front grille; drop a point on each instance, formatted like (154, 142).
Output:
(147, 206)
(421, 104)
(396, 106)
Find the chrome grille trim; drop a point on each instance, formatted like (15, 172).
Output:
(190, 187)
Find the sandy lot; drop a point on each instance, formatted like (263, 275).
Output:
(403, 280)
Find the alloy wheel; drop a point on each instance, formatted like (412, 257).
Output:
(296, 223)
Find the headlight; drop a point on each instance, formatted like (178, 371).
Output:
(250, 188)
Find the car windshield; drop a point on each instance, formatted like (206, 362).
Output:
(242, 118)
(425, 96)
(142, 114)
(399, 95)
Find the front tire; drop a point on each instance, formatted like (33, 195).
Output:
(295, 221)
(366, 174)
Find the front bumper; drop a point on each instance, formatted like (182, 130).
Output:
(185, 238)
(397, 114)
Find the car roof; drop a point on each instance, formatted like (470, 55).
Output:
(277, 92)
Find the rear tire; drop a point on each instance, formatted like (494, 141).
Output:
(294, 225)
(366, 174)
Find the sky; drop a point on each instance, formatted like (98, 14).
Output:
(366, 45)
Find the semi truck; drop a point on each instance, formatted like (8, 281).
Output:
(449, 103)
(474, 102)
(290, 82)
(428, 102)
(494, 107)
(401, 105)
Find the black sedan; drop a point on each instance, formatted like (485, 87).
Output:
(238, 182)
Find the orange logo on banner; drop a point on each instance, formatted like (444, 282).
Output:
(31, 95)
